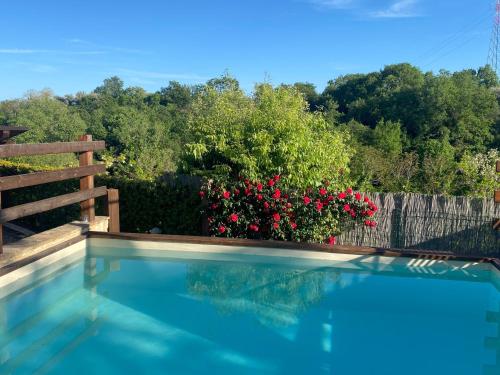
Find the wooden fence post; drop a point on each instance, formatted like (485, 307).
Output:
(114, 210)
(87, 182)
(1, 227)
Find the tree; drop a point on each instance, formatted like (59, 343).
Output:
(269, 133)
(111, 87)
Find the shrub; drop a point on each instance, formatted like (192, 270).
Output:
(270, 210)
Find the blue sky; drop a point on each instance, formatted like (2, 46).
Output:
(71, 46)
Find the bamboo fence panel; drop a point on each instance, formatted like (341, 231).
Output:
(461, 225)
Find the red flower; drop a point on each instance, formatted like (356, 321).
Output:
(293, 225)
(370, 213)
(307, 200)
(266, 205)
(285, 196)
(276, 217)
(233, 218)
(213, 206)
(259, 197)
(226, 195)
(366, 199)
(277, 194)
(236, 191)
(347, 208)
(322, 191)
(253, 227)
(319, 206)
(201, 194)
(277, 177)
(330, 198)
(332, 240)
(357, 196)
(368, 222)
(276, 226)
(248, 192)
(288, 205)
(374, 207)
(353, 213)
(222, 229)
(259, 187)
(349, 191)
(373, 224)
(247, 182)
(342, 195)
(271, 182)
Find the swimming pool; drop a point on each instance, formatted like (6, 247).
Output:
(113, 307)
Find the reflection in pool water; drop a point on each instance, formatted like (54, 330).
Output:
(114, 316)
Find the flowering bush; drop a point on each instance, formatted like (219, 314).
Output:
(269, 210)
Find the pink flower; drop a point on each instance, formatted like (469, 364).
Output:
(293, 225)
(288, 205)
(276, 226)
(201, 194)
(322, 191)
(259, 197)
(357, 196)
(213, 206)
(233, 218)
(221, 229)
(226, 195)
(353, 213)
(330, 198)
(347, 208)
(342, 195)
(276, 217)
(349, 191)
(332, 240)
(307, 200)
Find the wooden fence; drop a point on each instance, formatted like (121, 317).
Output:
(85, 172)
(460, 225)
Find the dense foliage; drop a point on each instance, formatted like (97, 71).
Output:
(398, 129)
(270, 210)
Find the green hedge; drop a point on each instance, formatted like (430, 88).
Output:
(173, 207)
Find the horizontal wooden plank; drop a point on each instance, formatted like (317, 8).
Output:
(37, 178)
(497, 196)
(23, 210)
(27, 149)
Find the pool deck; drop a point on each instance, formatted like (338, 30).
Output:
(37, 246)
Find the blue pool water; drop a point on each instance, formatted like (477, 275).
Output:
(185, 316)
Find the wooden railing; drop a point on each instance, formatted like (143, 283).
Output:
(85, 172)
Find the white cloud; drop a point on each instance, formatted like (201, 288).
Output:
(335, 4)
(21, 51)
(399, 9)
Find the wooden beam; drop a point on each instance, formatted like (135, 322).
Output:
(13, 213)
(27, 149)
(114, 211)
(498, 166)
(497, 196)
(38, 178)
(87, 182)
(1, 227)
